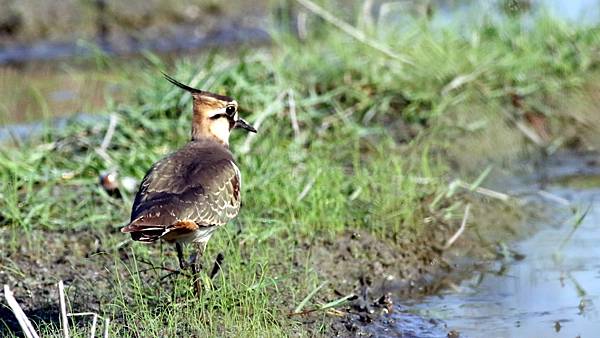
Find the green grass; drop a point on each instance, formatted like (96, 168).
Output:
(370, 155)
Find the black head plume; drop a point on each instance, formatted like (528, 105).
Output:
(182, 86)
(197, 91)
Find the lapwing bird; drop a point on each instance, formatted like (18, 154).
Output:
(190, 193)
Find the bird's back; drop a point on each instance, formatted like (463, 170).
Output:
(198, 185)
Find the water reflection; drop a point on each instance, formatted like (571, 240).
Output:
(554, 291)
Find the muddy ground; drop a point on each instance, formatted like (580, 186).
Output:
(377, 272)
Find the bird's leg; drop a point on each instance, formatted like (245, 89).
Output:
(197, 266)
(182, 264)
(193, 258)
(217, 266)
(179, 249)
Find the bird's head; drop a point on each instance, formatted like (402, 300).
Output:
(214, 115)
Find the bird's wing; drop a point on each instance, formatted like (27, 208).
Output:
(196, 190)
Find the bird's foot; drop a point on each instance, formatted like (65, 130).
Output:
(170, 271)
(175, 273)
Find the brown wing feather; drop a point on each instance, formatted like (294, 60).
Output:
(199, 184)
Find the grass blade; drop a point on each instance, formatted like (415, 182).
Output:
(308, 297)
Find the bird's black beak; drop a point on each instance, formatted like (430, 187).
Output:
(244, 125)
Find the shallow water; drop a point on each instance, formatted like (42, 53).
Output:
(20, 132)
(554, 291)
(183, 39)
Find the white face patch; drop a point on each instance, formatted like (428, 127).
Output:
(220, 129)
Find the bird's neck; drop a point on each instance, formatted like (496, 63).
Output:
(213, 130)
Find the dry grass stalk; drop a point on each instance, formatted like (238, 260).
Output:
(301, 20)
(553, 197)
(110, 131)
(94, 320)
(485, 191)
(308, 187)
(353, 32)
(27, 327)
(460, 230)
(63, 309)
(24, 322)
(292, 110)
(106, 325)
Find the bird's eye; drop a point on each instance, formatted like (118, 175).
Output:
(230, 110)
